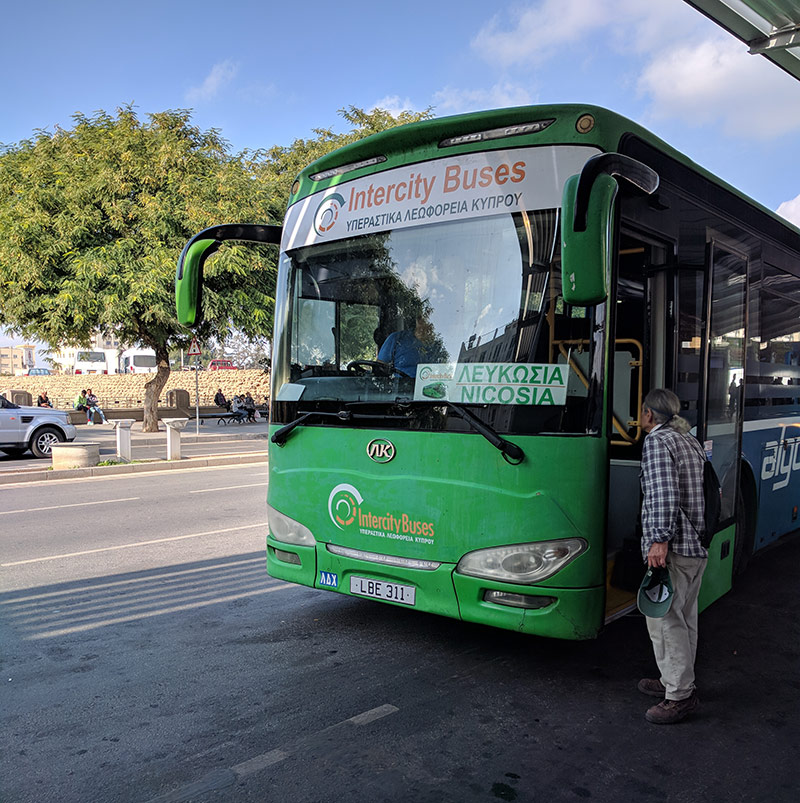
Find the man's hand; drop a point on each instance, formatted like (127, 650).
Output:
(657, 556)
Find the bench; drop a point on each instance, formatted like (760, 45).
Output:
(225, 418)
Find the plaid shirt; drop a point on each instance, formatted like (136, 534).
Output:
(672, 483)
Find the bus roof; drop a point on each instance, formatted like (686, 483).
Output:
(428, 139)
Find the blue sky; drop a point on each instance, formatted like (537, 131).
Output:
(266, 73)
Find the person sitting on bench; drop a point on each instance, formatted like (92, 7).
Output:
(221, 401)
(237, 410)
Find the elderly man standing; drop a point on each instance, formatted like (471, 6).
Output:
(672, 522)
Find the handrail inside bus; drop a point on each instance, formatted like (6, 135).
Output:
(626, 438)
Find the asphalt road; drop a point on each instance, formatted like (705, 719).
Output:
(147, 656)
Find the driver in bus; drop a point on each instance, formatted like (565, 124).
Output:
(405, 349)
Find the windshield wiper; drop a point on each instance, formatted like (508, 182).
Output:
(512, 453)
(279, 438)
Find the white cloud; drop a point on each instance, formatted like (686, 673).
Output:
(687, 68)
(220, 76)
(454, 101)
(544, 29)
(394, 105)
(538, 31)
(717, 81)
(791, 210)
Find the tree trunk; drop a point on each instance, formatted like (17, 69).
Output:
(153, 388)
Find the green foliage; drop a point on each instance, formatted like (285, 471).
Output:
(280, 165)
(93, 219)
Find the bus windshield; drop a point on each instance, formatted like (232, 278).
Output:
(144, 361)
(465, 311)
(90, 356)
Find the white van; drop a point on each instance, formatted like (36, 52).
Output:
(138, 361)
(90, 362)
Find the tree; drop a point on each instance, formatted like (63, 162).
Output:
(93, 219)
(246, 352)
(280, 165)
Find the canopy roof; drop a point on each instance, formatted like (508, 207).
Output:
(770, 28)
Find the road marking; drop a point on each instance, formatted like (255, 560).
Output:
(73, 504)
(228, 488)
(260, 762)
(137, 475)
(131, 546)
(275, 756)
(221, 778)
(134, 617)
(128, 586)
(371, 715)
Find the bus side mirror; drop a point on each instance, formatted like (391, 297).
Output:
(189, 275)
(189, 280)
(587, 218)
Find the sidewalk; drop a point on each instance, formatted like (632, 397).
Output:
(216, 445)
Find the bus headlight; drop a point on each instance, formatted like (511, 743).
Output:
(521, 563)
(282, 528)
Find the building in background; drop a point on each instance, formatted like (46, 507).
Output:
(17, 360)
(102, 355)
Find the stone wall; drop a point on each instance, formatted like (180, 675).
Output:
(127, 390)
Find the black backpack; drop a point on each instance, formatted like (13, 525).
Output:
(712, 495)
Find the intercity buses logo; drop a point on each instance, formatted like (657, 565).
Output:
(327, 213)
(343, 505)
(346, 510)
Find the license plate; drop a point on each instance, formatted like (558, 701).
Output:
(380, 589)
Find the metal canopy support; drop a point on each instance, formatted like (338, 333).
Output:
(780, 40)
(770, 28)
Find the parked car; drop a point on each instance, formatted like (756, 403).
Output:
(35, 428)
(221, 365)
(39, 372)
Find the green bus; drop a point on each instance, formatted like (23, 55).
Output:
(469, 311)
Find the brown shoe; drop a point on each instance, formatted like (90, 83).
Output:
(652, 686)
(668, 712)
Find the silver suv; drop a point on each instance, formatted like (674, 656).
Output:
(34, 428)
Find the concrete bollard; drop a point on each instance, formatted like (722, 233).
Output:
(123, 427)
(174, 428)
(75, 455)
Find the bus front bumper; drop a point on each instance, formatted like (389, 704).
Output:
(565, 613)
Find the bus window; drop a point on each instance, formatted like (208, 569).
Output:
(359, 326)
(313, 335)
(483, 291)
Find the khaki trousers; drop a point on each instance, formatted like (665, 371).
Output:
(674, 636)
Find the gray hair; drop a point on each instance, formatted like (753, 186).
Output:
(665, 406)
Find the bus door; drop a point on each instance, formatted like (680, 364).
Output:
(640, 353)
(723, 359)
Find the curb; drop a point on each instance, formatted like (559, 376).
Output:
(38, 475)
